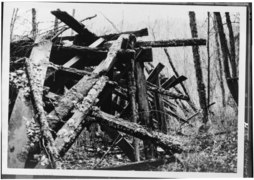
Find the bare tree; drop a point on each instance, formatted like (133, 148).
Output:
(34, 24)
(218, 56)
(13, 20)
(232, 46)
(232, 82)
(197, 63)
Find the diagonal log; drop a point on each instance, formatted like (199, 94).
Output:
(169, 143)
(35, 72)
(80, 90)
(74, 126)
(106, 64)
(23, 112)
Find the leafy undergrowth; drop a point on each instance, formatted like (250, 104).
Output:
(208, 151)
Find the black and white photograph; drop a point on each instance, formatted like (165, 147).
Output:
(124, 90)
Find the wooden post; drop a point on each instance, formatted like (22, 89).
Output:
(143, 106)
(197, 62)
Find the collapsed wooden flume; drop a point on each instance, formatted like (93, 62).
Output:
(114, 56)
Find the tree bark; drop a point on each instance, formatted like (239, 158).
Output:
(218, 55)
(197, 62)
(232, 83)
(232, 46)
(169, 143)
(13, 20)
(34, 24)
(74, 126)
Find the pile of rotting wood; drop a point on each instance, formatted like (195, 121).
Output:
(108, 81)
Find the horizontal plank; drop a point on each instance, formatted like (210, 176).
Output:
(172, 43)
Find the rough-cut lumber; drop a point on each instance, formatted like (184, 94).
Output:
(155, 73)
(198, 69)
(172, 43)
(106, 64)
(167, 93)
(75, 25)
(169, 143)
(177, 81)
(138, 33)
(77, 58)
(143, 106)
(73, 127)
(81, 49)
(168, 82)
(192, 105)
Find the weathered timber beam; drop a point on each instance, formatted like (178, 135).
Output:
(172, 43)
(106, 64)
(69, 70)
(168, 93)
(169, 143)
(134, 107)
(177, 81)
(35, 74)
(74, 126)
(168, 82)
(108, 37)
(80, 49)
(75, 25)
(138, 33)
(143, 107)
(78, 91)
(23, 111)
(155, 73)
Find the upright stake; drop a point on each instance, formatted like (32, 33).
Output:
(132, 93)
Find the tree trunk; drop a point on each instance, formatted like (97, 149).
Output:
(232, 83)
(13, 20)
(232, 46)
(34, 24)
(197, 62)
(218, 55)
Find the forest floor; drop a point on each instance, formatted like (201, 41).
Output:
(211, 151)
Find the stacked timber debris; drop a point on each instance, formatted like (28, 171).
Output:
(107, 80)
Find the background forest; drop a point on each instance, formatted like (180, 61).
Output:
(212, 141)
